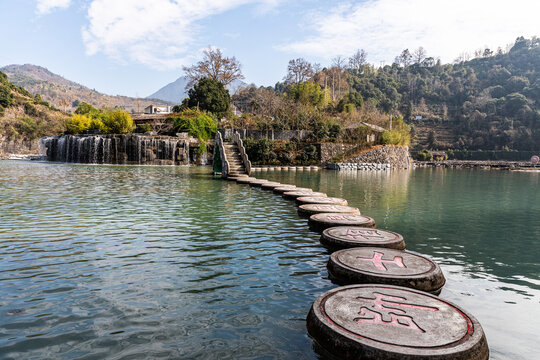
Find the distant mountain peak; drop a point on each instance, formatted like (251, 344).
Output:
(176, 91)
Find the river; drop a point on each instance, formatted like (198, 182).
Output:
(133, 262)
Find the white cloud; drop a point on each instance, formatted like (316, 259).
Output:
(157, 33)
(46, 6)
(444, 28)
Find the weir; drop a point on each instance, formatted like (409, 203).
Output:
(130, 149)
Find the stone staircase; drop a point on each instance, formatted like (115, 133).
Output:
(236, 164)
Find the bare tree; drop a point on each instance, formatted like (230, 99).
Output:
(404, 58)
(339, 64)
(298, 70)
(358, 60)
(419, 55)
(214, 66)
(462, 57)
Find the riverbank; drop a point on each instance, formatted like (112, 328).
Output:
(476, 164)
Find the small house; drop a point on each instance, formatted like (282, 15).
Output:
(158, 109)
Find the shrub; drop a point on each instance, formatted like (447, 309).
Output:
(117, 121)
(260, 151)
(399, 135)
(6, 97)
(78, 124)
(197, 124)
(144, 128)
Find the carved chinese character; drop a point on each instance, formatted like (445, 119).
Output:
(390, 307)
(378, 261)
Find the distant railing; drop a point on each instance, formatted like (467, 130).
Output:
(238, 141)
(223, 155)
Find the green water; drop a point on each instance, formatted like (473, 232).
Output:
(165, 262)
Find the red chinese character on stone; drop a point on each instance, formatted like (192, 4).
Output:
(392, 307)
(378, 262)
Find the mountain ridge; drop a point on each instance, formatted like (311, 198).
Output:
(66, 94)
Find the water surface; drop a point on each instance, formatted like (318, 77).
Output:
(112, 262)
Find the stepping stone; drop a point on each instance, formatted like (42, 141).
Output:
(371, 265)
(344, 237)
(246, 180)
(284, 189)
(234, 178)
(320, 200)
(300, 192)
(311, 209)
(390, 322)
(258, 182)
(320, 222)
(270, 185)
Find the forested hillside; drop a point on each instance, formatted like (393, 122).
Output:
(25, 117)
(490, 102)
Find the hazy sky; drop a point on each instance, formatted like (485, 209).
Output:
(134, 47)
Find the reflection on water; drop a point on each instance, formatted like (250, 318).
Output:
(136, 262)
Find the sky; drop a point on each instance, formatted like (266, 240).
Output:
(135, 47)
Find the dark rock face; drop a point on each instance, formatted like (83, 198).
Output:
(121, 149)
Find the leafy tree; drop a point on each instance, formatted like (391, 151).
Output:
(210, 95)
(216, 67)
(85, 108)
(307, 93)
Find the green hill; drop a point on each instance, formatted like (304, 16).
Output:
(491, 102)
(25, 117)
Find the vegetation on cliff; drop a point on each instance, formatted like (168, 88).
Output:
(26, 117)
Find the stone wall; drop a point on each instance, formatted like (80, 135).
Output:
(8, 147)
(328, 151)
(396, 156)
(283, 135)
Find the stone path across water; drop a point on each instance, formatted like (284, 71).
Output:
(390, 322)
(379, 321)
(370, 265)
(322, 221)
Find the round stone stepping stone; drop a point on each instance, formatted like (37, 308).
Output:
(320, 222)
(258, 182)
(320, 200)
(311, 209)
(371, 265)
(284, 189)
(299, 192)
(344, 237)
(270, 185)
(245, 180)
(390, 322)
